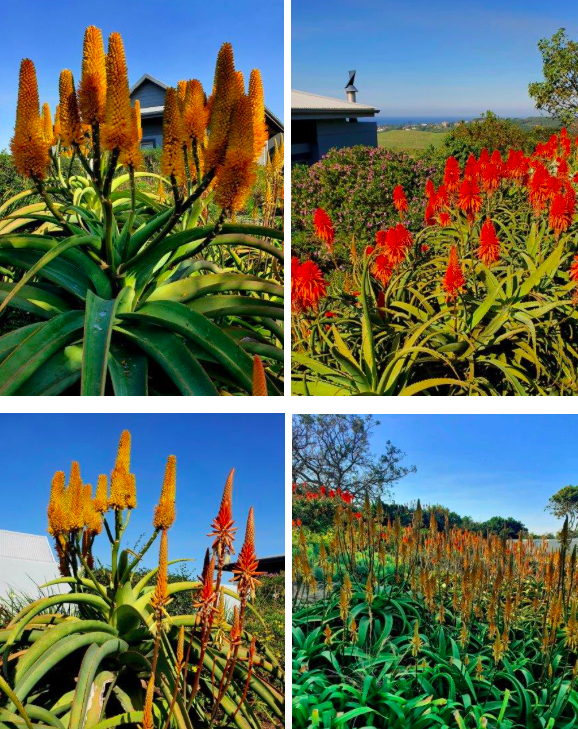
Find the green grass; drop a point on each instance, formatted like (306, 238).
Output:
(401, 140)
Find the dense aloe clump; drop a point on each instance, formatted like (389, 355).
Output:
(418, 627)
(136, 282)
(478, 299)
(104, 651)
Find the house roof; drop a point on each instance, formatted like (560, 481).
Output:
(26, 561)
(148, 77)
(275, 563)
(305, 104)
(17, 545)
(158, 110)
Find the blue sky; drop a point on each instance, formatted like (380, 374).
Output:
(426, 58)
(33, 447)
(169, 40)
(482, 465)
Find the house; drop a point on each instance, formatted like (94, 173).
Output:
(319, 123)
(151, 94)
(26, 562)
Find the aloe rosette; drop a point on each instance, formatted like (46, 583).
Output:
(134, 292)
(105, 652)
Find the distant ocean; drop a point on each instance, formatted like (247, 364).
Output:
(420, 119)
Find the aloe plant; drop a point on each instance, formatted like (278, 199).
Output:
(399, 326)
(133, 291)
(106, 652)
(416, 627)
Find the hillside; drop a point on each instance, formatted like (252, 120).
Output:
(409, 140)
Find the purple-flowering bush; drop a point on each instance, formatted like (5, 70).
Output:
(355, 187)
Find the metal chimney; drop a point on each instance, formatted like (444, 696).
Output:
(350, 90)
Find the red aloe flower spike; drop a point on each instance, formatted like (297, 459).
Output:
(206, 603)
(489, 250)
(246, 568)
(222, 525)
(454, 279)
(399, 200)
(324, 228)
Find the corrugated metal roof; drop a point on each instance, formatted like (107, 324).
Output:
(16, 545)
(305, 101)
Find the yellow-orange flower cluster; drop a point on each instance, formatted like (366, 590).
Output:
(122, 482)
(172, 160)
(118, 131)
(70, 124)
(28, 145)
(92, 88)
(225, 94)
(165, 510)
(236, 176)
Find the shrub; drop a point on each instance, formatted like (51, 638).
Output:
(351, 185)
(269, 603)
(491, 132)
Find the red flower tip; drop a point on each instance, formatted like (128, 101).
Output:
(489, 250)
(324, 228)
(454, 279)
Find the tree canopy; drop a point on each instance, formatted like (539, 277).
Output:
(558, 92)
(335, 451)
(564, 503)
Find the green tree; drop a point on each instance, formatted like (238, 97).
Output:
(490, 132)
(564, 503)
(499, 524)
(558, 92)
(335, 451)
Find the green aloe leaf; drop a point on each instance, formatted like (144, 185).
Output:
(170, 352)
(38, 347)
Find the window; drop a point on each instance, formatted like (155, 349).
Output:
(149, 143)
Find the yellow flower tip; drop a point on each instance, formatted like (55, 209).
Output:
(172, 159)
(101, 496)
(47, 130)
(181, 93)
(137, 119)
(92, 88)
(118, 121)
(195, 111)
(28, 146)
(236, 176)
(260, 130)
(123, 452)
(160, 595)
(70, 124)
(240, 82)
(259, 379)
(116, 500)
(226, 91)
(165, 510)
(161, 191)
(147, 721)
(56, 504)
(75, 499)
(132, 157)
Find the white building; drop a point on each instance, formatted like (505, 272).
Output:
(26, 562)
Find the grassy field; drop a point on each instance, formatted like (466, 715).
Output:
(410, 141)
